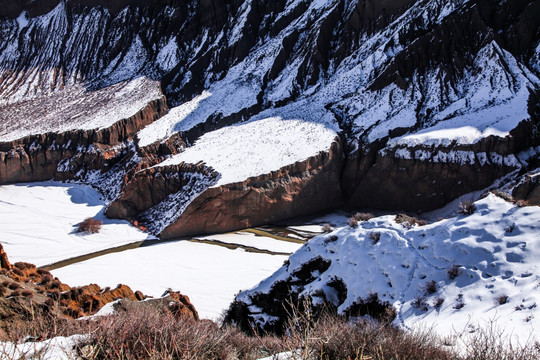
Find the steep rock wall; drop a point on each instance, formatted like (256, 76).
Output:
(298, 189)
(423, 178)
(36, 157)
(150, 186)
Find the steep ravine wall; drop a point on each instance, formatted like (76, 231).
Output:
(298, 189)
(423, 178)
(36, 157)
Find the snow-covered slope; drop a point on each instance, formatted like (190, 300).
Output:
(39, 222)
(256, 147)
(453, 275)
(414, 89)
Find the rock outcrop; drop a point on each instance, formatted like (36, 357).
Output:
(373, 70)
(298, 189)
(61, 155)
(27, 292)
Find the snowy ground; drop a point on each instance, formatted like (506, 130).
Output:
(39, 222)
(257, 147)
(76, 107)
(497, 252)
(210, 275)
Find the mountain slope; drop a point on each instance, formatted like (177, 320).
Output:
(453, 276)
(427, 100)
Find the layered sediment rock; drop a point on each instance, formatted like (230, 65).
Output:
(298, 189)
(37, 157)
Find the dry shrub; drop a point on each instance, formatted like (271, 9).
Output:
(467, 207)
(453, 272)
(14, 286)
(335, 337)
(353, 222)
(17, 272)
(431, 287)
(438, 302)
(27, 293)
(420, 303)
(492, 343)
(409, 221)
(501, 300)
(16, 293)
(326, 228)
(24, 266)
(375, 237)
(144, 332)
(363, 216)
(90, 225)
(46, 279)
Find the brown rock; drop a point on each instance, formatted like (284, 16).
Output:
(4, 261)
(302, 188)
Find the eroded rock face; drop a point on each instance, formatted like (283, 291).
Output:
(298, 189)
(37, 157)
(413, 61)
(424, 178)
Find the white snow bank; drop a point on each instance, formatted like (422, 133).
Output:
(497, 250)
(210, 275)
(39, 221)
(57, 348)
(169, 124)
(256, 147)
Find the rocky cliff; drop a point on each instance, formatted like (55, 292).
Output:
(429, 100)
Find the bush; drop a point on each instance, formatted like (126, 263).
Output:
(353, 222)
(24, 266)
(453, 272)
(501, 300)
(90, 225)
(27, 293)
(327, 228)
(409, 221)
(431, 287)
(375, 237)
(363, 216)
(467, 207)
(438, 302)
(14, 286)
(420, 303)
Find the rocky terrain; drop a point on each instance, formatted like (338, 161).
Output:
(422, 102)
(27, 292)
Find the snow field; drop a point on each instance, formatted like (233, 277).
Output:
(39, 222)
(495, 252)
(210, 275)
(256, 147)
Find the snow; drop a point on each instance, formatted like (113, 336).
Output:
(77, 107)
(256, 147)
(22, 20)
(58, 348)
(39, 221)
(492, 102)
(167, 58)
(497, 250)
(164, 128)
(210, 275)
